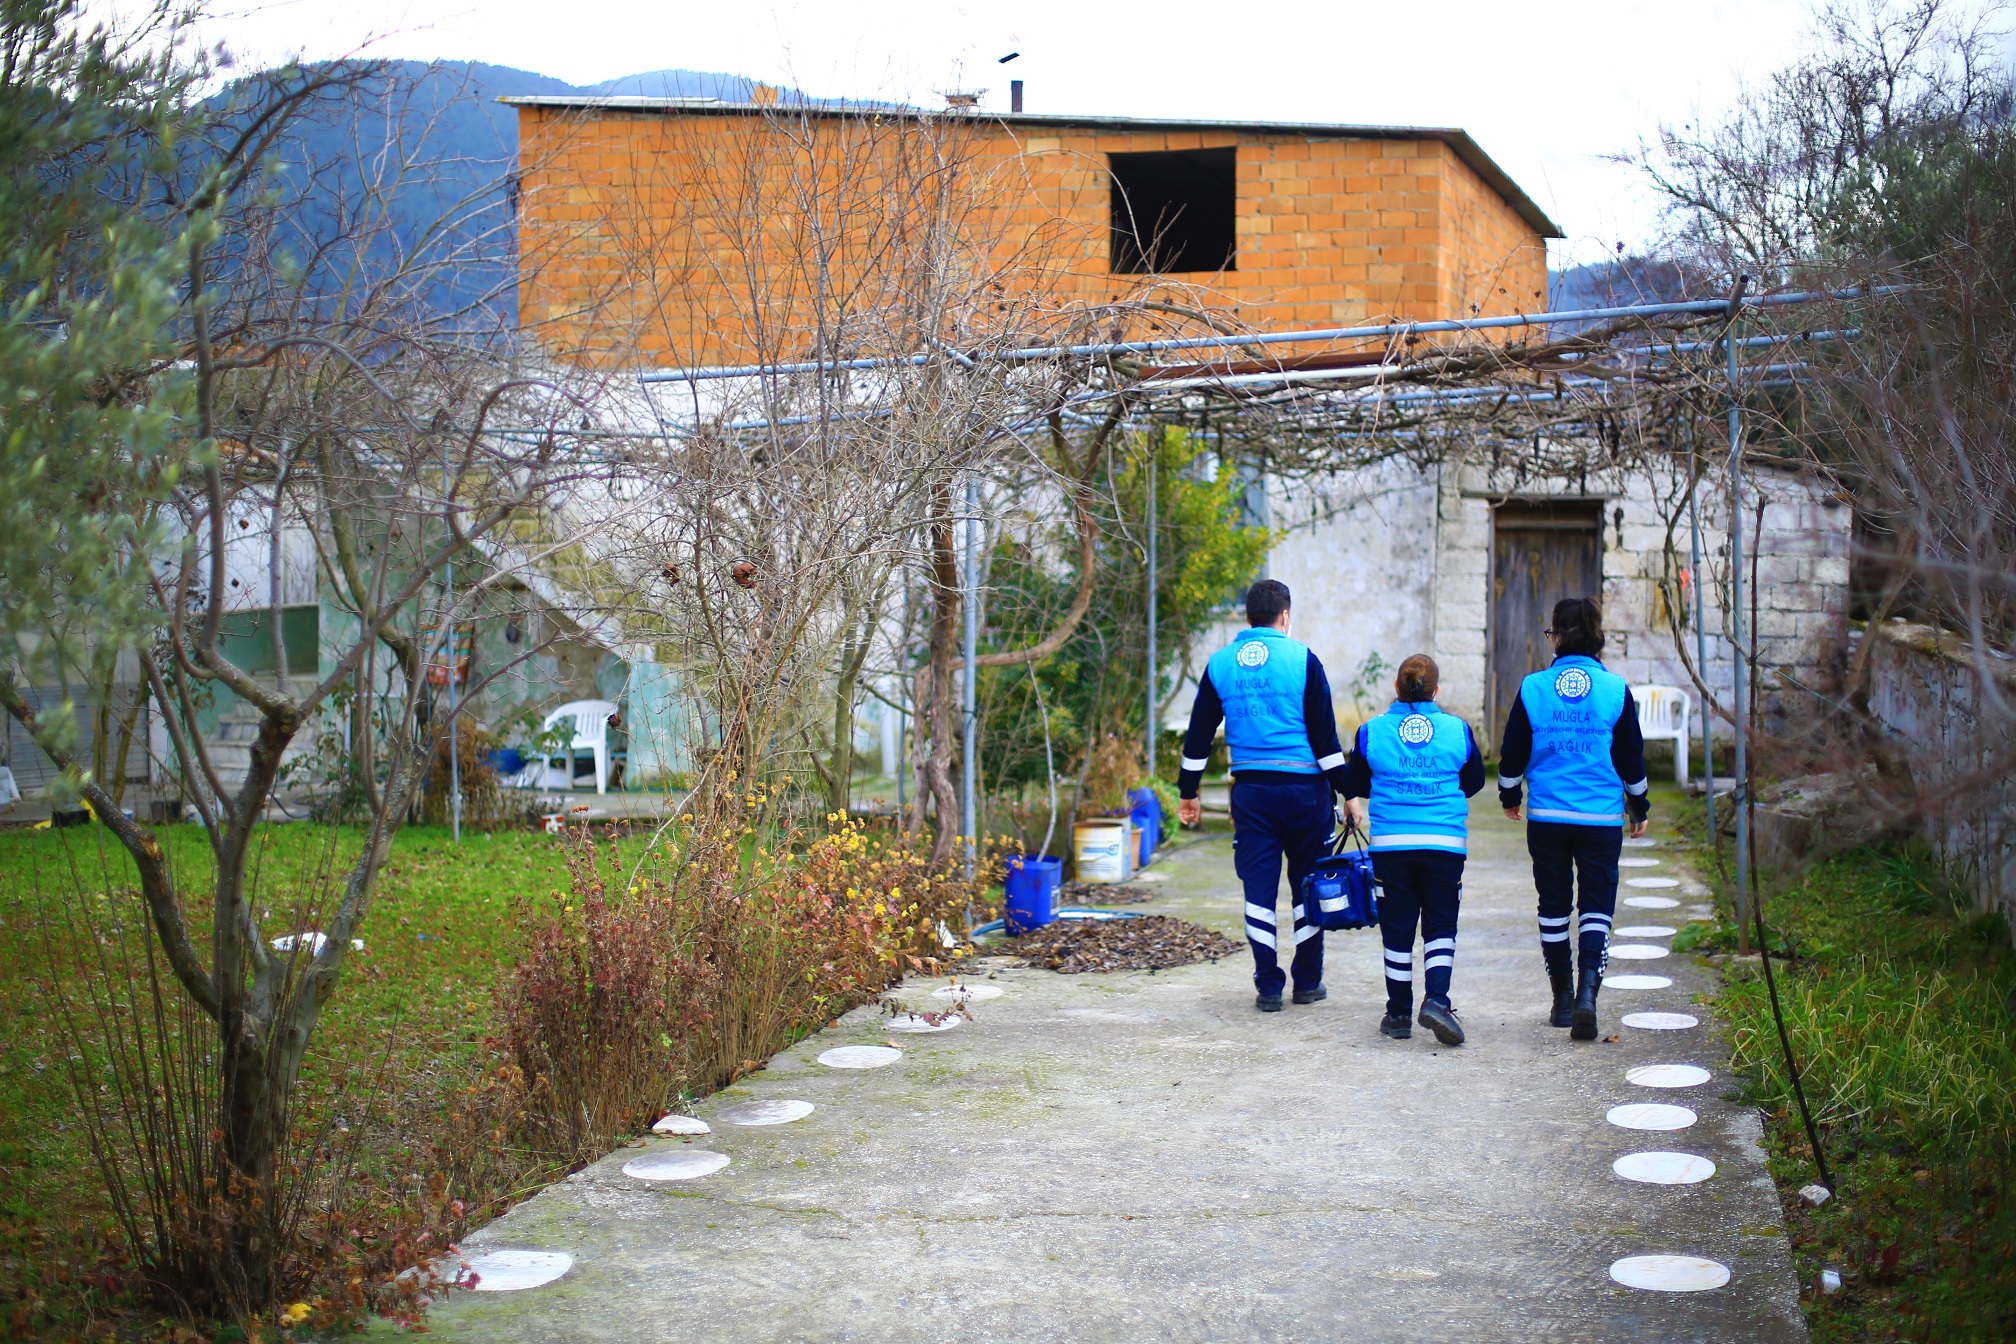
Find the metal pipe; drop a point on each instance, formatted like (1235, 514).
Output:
(1292, 378)
(1154, 515)
(1740, 700)
(454, 735)
(969, 693)
(1700, 632)
(1748, 342)
(1032, 352)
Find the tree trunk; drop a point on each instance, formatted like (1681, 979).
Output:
(946, 607)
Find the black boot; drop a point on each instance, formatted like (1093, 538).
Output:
(1564, 1000)
(1583, 1023)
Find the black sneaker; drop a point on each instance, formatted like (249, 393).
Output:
(1316, 995)
(1398, 1027)
(1267, 1003)
(1440, 1018)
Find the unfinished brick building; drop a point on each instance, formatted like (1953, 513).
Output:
(627, 204)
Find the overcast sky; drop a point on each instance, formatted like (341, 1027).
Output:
(1548, 90)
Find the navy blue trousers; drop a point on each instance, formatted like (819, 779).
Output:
(1423, 886)
(1575, 866)
(1272, 821)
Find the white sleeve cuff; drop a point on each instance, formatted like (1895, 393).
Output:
(1636, 789)
(1195, 762)
(1330, 762)
(1510, 781)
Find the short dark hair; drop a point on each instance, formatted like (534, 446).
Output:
(1265, 601)
(1578, 625)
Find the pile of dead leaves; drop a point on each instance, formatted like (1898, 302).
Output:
(1104, 893)
(1151, 942)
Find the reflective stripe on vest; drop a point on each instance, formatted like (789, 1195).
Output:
(1417, 754)
(1260, 678)
(1574, 707)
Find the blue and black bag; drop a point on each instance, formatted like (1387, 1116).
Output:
(1340, 891)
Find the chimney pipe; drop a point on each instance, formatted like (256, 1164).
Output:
(1014, 95)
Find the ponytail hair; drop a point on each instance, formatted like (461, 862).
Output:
(1578, 625)
(1418, 679)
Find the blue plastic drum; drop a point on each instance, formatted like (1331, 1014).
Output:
(1032, 892)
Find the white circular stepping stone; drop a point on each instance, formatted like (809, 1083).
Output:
(1650, 883)
(1637, 951)
(1663, 1168)
(1646, 931)
(502, 1271)
(1661, 1021)
(860, 1057)
(1650, 902)
(1668, 1075)
(1642, 842)
(917, 1022)
(675, 1164)
(681, 1124)
(1650, 1115)
(1637, 863)
(977, 993)
(1635, 982)
(765, 1112)
(1670, 1273)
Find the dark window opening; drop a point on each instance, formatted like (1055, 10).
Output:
(1174, 211)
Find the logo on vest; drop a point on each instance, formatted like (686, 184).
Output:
(1253, 654)
(1572, 683)
(1415, 730)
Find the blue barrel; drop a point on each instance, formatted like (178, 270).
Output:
(1146, 816)
(1032, 892)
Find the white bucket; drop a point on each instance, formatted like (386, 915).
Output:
(1102, 849)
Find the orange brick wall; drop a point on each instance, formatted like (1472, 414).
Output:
(635, 247)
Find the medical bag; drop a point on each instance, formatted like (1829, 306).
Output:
(1340, 891)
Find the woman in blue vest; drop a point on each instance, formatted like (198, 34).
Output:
(1572, 739)
(1418, 768)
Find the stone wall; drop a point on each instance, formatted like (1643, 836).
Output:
(1957, 729)
(1396, 559)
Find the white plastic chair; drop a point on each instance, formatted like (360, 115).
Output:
(591, 733)
(1664, 713)
(10, 793)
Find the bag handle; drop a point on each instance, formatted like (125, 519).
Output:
(1345, 832)
(1351, 829)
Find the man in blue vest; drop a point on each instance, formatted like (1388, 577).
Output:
(1572, 740)
(1281, 728)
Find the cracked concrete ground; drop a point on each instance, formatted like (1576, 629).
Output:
(1143, 1156)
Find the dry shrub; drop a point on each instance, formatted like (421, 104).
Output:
(1112, 766)
(482, 799)
(696, 966)
(370, 1180)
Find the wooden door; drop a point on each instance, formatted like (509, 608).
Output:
(1541, 552)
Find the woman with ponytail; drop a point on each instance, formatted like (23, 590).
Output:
(1572, 738)
(1418, 768)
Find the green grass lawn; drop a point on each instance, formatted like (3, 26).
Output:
(416, 1003)
(1898, 1000)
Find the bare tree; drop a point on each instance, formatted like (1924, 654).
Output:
(339, 421)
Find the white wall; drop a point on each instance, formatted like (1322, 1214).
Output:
(1359, 556)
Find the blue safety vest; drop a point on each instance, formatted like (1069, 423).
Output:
(1573, 707)
(1260, 679)
(1417, 754)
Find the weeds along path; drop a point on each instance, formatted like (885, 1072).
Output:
(1143, 1156)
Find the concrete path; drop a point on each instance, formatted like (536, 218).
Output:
(1144, 1157)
